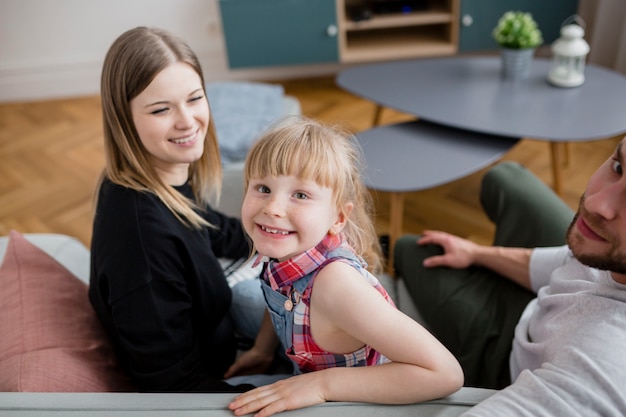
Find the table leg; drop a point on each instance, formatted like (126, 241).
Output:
(565, 154)
(378, 113)
(395, 225)
(557, 150)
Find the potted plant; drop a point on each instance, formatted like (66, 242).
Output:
(518, 35)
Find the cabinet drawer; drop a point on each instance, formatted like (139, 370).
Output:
(279, 32)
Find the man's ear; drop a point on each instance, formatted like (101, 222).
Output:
(342, 218)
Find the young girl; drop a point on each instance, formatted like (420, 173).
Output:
(308, 215)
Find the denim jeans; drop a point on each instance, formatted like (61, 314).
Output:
(247, 308)
(474, 311)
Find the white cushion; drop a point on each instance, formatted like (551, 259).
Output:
(67, 250)
(241, 110)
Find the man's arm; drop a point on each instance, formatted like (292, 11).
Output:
(459, 253)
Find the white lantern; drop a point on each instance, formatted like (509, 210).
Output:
(569, 54)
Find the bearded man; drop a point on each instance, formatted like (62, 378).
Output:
(541, 314)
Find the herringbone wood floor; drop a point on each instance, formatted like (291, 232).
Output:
(51, 154)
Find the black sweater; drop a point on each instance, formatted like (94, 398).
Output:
(158, 289)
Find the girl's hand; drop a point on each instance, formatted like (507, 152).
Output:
(288, 394)
(458, 252)
(253, 361)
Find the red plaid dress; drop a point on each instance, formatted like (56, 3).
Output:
(281, 276)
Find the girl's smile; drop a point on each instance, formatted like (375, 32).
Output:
(274, 231)
(285, 216)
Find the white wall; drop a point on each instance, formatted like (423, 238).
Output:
(55, 48)
(606, 32)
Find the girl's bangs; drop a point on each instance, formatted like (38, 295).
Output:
(294, 157)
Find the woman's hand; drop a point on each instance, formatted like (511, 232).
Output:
(288, 394)
(253, 361)
(259, 358)
(458, 252)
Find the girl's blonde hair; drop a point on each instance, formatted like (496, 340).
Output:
(307, 149)
(132, 62)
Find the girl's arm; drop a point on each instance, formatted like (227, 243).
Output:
(345, 307)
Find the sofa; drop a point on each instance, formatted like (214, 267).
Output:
(55, 358)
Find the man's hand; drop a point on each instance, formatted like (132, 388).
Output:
(512, 263)
(458, 252)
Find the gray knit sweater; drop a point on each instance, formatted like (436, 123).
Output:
(569, 351)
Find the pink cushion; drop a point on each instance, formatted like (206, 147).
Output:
(50, 337)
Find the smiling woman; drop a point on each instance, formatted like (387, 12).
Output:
(172, 117)
(156, 283)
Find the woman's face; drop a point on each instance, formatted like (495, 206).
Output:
(172, 117)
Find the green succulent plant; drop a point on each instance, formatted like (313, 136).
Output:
(517, 30)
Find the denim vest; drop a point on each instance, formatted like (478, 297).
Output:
(282, 316)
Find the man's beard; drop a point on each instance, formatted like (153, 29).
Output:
(612, 259)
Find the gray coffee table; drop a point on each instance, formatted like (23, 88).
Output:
(419, 155)
(468, 93)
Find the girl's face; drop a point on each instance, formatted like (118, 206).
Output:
(172, 117)
(285, 216)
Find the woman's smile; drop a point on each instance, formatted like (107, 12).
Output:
(189, 140)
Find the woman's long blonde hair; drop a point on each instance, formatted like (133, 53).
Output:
(132, 62)
(331, 157)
